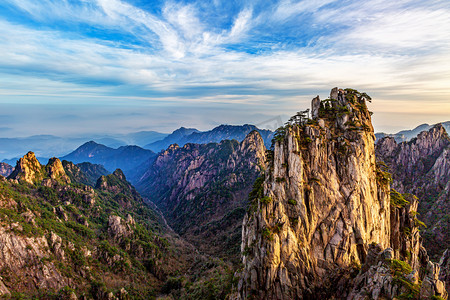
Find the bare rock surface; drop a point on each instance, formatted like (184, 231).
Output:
(5, 169)
(28, 169)
(203, 190)
(422, 167)
(323, 204)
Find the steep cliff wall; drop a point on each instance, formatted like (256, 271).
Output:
(323, 202)
(422, 167)
(63, 240)
(202, 189)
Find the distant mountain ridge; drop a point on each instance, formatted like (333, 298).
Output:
(126, 158)
(406, 135)
(422, 167)
(203, 190)
(183, 136)
(84, 173)
(46, 146)
(173, 138)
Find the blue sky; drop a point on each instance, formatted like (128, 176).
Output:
(73, 67)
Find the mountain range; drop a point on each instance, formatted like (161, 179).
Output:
(406, 135)
(61, 239)
(184, 136)
(45, 146)
(327, 212)
(422, 167)
(126, 158)
(202, 189)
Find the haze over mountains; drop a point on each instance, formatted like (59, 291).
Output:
(406, 135)
(45, 146)
(223, 213)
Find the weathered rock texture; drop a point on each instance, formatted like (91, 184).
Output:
(58, 238)
(422, 167)
(202, 189)
(28, 169)
(444, 274)
(323, 203)
(5, 169)
(55, 171)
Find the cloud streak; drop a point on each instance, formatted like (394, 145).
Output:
(178, 53)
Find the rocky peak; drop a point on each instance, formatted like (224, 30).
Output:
(117, 183)
(5, 169)
(55, 171)
(119, 174)
(323, 202)
(422, 167)
(28, 169)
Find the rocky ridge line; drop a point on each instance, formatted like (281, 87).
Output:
(323, 206)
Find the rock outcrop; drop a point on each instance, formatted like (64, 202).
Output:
(323, 203)
(444, 264)
(28, 169)
(422, 167)
(19, 253)
(55, 171)
(5, 169)
(202, 189)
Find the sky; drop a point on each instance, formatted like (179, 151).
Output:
(74, 67)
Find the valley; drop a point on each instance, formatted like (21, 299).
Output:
(235, 213)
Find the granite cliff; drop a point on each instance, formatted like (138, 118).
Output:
(202, 189)
(323, 223)
(422, 167)
(61, 239)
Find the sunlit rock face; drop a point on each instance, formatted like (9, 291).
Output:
(28, 169)
(323, 202)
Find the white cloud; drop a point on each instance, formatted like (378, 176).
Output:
(397, 50)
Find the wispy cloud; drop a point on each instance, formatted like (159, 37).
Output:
(223, 52)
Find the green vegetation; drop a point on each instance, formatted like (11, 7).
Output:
(266, 200)
(292, 202)
(382, 175)
(267, 234)
(280, 179)
(397, 199)
(67, 211)
(399, 270)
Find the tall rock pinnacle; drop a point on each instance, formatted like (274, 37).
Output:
(28, 169)
(323, 202)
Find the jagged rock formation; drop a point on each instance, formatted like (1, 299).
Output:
(55, 171)
(444, 264)
(64, 240)
(422, 167)
(323, 202)
(28, 169)
(202, 190)
(183, 136)
(5, 169)
(407, 135)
